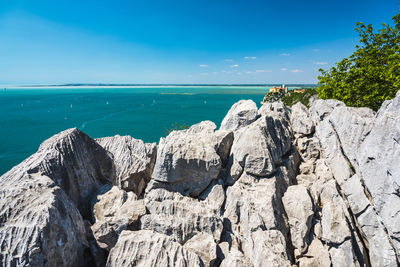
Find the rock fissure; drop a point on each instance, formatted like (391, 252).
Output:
(357, 228)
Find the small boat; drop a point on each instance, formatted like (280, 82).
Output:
(70, 106)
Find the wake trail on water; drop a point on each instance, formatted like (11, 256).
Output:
(103, 118)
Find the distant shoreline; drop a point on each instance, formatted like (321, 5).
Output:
(103, 86)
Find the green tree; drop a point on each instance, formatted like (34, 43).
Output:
(371, 74)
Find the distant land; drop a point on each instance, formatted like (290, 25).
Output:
(134, 84)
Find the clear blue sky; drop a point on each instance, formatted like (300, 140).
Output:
(188, 41)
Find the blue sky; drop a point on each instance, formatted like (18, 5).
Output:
(191, 41)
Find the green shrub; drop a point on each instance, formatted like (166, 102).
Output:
(176, 127)
(371, 74)
(291, 98)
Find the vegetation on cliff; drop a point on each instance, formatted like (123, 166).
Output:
(290, 98)
(371, 74)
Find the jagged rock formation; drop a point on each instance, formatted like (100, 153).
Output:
(115, 211)
(241, 114)
(134, 161)
(271, 187)
(39, 201)
(188, 160)
(147, 248)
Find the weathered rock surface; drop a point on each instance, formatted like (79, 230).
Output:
(204, 246)
(181, 217)
(134, 161)
(347, 137)
(147, 248)
(299, 209)
(310, 187)
(378, 159)
(115, 211)
(258, 148)
(75, 162)
(254, 216)
(241, 114)
(39, 225)
(187, 160)
(39, 201)
(301, 120)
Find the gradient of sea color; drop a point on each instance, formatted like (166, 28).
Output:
(29, 116)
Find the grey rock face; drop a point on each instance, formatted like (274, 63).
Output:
(351, 125)
(317, 256)
(134, 161)
(75, 162)
(378, 160)
(345, 137)
(204, 246)
(179, 216)
(39, 225)
(335, 228)
(254, 215)
(115, 211)
(301, 120)
(299, 209)
(40, 199)
(241, 114)
(235, 258)
(321, 109)
(258, 148)
(187, 160)
(147, 248)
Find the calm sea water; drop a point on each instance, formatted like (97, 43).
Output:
(29, 116)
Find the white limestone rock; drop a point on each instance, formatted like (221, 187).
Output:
(254, 215)
(187, 160)
(302, 123)
(317, 256)
(134, 161)
(241, 114)
(204, 246)
(321, 109)
(39, 225)
(335, 228)
(235, 258)
(147, 248)
(343, 255)
(75, 162)
(259, 147)
(378, 160)
(115, 211)
(299, 209)
(179, 216)
(351, 125)
(381, 251)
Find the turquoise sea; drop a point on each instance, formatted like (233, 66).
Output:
(28, 116)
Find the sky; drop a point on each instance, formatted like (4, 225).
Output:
(188, 41)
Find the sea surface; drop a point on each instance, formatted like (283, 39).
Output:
(28, 116)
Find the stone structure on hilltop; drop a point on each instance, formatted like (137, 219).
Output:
(274, 186)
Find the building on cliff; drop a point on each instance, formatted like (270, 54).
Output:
(278, 89)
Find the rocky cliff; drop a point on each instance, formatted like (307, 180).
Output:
(274, 186)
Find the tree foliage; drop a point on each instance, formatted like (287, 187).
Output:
(290, 98)
(371, 74)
